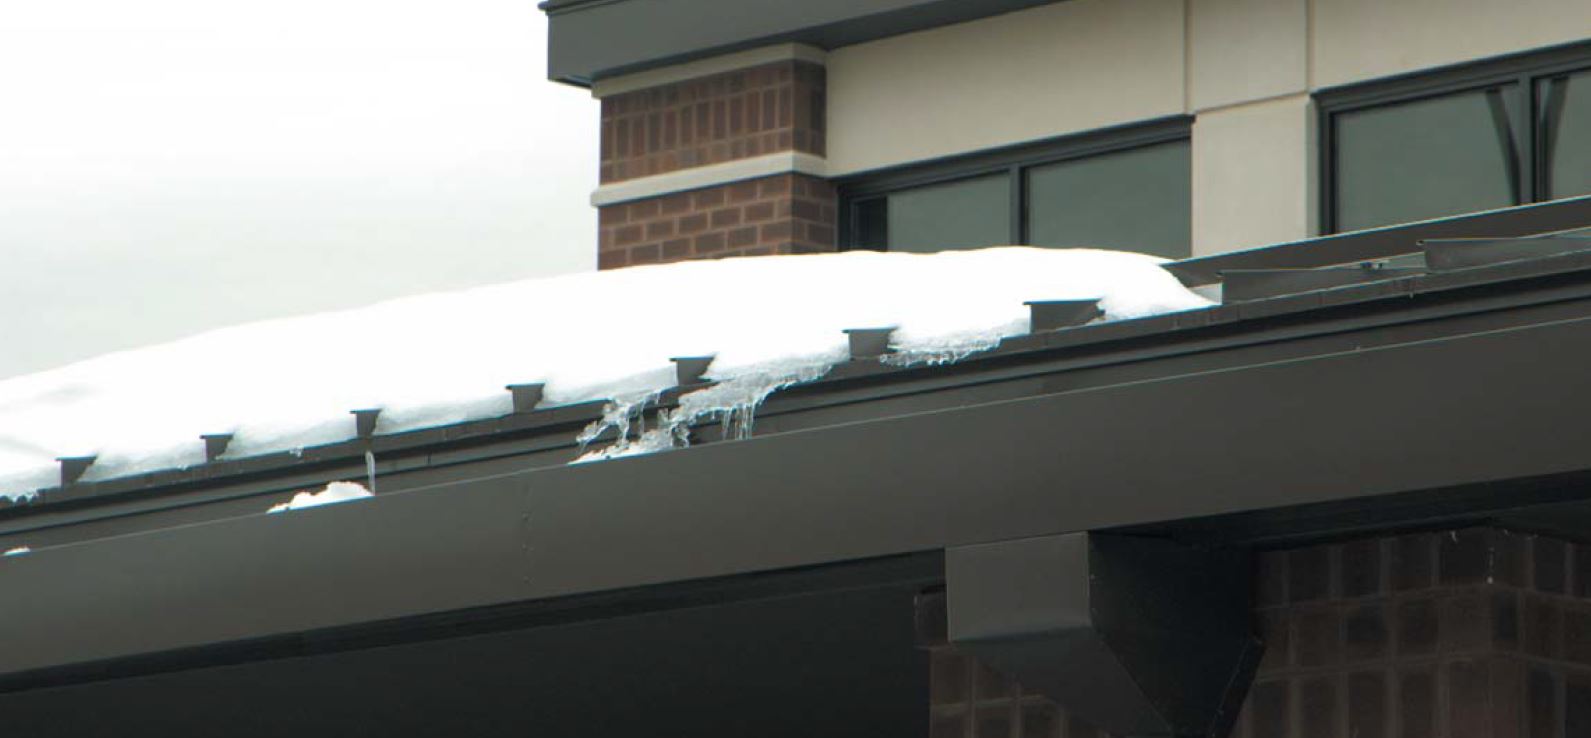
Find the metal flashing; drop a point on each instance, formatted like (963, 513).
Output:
(1242, 285)
(1463, 253)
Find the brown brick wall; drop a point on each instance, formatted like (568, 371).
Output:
(1467, 633)
(1474, 633)
(732, 115)
(781, 214)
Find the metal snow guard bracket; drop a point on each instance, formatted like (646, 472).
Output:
(869, 343)
(1239, 285)
(1049, 315)
(689, 370)
(1141, 636)
(365, 421)
(72, 467)
(215, 444)
(1443, 254)
(525, 396)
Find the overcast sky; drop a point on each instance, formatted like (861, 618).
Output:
(168, 166)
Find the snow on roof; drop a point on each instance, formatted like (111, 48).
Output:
(444, 358)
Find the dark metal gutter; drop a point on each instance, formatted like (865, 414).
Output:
(1210, 339)
(1369, 414)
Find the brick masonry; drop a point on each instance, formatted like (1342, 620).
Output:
(1472, 633)
(739, 114)
(781, 214)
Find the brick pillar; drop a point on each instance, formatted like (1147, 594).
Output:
(1471, 633)
(1467, 633)
(698, 125)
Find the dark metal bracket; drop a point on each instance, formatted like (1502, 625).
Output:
(72, 467)
(365, 421)
(1141, 636)
(215, 444)
(689, 370)
(1049, 315)
(869, 343)
(526, 396)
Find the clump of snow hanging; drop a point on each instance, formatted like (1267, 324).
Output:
(332, 494)
(443, 358)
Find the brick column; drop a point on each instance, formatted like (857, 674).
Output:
(1477, 632)
(1471, 633)
(698, 125)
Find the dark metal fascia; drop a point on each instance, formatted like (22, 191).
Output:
(1352, 425)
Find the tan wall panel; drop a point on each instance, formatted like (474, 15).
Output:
(1241, 50)
(1253, 175)
(1360, 40)
(1032, 74)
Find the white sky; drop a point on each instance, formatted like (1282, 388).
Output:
(169, 166)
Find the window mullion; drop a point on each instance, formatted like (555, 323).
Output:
(1018, 206)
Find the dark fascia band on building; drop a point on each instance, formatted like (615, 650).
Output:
(592, 39)
(1429, 399)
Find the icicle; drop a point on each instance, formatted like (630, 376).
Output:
(370, 470)
(619, 414)
(734, 401)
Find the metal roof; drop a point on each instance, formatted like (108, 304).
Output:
(1441, 396)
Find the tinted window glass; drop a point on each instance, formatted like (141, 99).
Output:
(872, 224)
(1422, 159)
(968, 213)
(1135, 200)
(1566, 134)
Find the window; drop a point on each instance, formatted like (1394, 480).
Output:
(1124, 189)
(1479, 137)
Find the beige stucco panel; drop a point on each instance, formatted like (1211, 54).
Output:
(1253, 175)
(1241, 50)
(1032, 74)
(1358, 40)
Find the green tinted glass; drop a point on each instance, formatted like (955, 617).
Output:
(1135, 200)
(1424, 159)
(1565, 110)
(968, 213)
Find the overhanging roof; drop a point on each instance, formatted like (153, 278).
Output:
(592, 39)
(1443, 397)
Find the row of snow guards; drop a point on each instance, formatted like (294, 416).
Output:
(1391, 258)
(865, 345)
(1436, 256)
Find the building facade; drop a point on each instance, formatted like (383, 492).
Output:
(1186, 128)
(1350, 500)
(1179, 128)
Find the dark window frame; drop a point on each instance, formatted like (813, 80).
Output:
(1013, 161)
(1518, 74)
